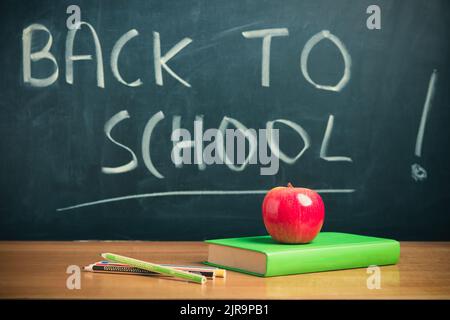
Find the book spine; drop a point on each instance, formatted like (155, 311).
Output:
(333, 258)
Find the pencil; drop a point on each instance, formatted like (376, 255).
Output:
(220, 273)
(155, 268)
(127, 269)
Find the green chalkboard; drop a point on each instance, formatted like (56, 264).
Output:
(91, 92)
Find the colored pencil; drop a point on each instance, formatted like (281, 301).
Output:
(127, 269)
(155, 268)
(220, 273)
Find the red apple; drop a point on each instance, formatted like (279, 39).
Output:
(293, 215)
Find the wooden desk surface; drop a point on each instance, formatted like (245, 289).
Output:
(38, 270)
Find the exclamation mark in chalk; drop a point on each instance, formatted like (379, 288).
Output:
(418, 173)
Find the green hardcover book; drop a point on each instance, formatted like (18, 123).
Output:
(262, 256)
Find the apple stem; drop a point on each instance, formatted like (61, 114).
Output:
(290, 185)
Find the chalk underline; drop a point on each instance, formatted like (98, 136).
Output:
(186, 193)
